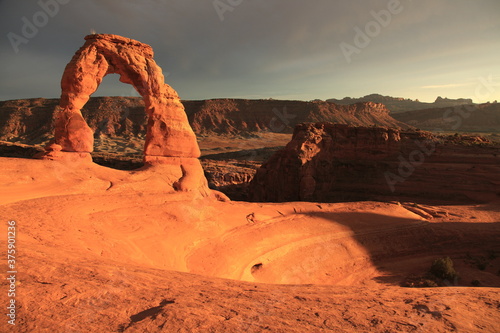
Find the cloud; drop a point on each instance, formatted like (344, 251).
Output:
(264, 48)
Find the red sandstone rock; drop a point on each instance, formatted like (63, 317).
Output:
(120, 116)
(53, 151)
(306, 168)
(330, 162)
(168, 130)
(169, 137)
(236, 116)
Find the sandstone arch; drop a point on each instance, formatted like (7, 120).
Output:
(170, 139)
(168, 131)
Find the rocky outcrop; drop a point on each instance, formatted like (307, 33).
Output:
(170, 141)
(9, 149)
(330, 162)
(230, 177)
(27, 120)
(235, 116)
(30, 120)
(168, 131)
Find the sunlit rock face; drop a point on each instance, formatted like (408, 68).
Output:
(168, 131)
(329, 162)
(170, 140)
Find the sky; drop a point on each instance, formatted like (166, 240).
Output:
(281, 49)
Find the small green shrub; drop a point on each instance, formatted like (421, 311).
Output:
(443, 268)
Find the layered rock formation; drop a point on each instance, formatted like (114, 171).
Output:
(30, 121)
(234, 116)
(169, 137)
(330, 162)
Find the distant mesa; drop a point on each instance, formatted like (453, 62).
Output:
(30, 120)
(169, 137)
(483, 118)
(234, 116)
(399, 104)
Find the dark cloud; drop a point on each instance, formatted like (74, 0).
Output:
(280, 49)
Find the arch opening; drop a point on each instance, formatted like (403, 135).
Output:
(118, 123)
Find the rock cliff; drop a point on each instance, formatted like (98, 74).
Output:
(232, 116)
(30, 120)
(331, 162)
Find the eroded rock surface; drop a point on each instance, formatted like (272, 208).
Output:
(170, 141)
(168, 130)
(333, 162)
(30, 120)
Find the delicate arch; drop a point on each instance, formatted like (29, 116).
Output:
(168, 131)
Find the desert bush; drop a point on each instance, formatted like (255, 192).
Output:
(441, 273)
(476, 283)
(443, 268)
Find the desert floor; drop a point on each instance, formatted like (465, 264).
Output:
(104, 250)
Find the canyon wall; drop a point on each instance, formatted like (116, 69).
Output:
(330, 162)
(30, 120)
